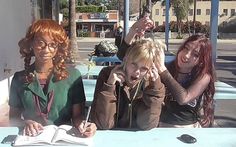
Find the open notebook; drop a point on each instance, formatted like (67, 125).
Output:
(53, 135)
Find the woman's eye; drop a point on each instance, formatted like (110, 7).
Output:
(40, 43)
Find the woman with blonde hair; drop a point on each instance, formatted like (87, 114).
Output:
(130, 95)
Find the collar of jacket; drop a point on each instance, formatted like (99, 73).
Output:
(35, 87)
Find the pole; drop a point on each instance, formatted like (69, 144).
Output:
(167, 24)
(214, 27)
(194, 15)
(126, 17)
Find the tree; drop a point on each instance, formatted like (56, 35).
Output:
(181, 9)
(74, 53)
(64, 8)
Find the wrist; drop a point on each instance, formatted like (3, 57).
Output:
(130, 36)
(162, 69)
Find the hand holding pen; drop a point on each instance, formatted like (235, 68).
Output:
(87, 129)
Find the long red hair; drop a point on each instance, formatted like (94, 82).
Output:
(205, 66)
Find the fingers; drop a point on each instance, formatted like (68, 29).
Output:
(117, 75)
(32, 128)
(88, 129)
(153, 73)
(142, 25)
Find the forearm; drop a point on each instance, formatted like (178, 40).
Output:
(130, 36)
(150, 108)
(15, 117)
(78, 114)
(122, 50)
(178, 92)
(104, 107)
(126, 42)
(18, 122)
(154, 93)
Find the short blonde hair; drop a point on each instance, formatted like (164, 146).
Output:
(145, 49)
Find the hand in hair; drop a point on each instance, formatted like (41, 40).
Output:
(160, 57)
(153, 73)
(117, 75)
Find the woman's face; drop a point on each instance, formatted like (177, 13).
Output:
(44, 48)
(135, 71)
(188, 57)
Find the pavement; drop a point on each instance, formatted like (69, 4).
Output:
(225, 110)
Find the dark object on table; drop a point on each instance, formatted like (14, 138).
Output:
(187, 138)
(10, 139)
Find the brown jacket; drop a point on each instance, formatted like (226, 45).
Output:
(145, 107)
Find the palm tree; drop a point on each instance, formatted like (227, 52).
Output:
(74, 56)
(181, 8)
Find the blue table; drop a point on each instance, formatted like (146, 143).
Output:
(164, 137)
(89, 87)
(224, 91)
(167, 137)
(93, 71)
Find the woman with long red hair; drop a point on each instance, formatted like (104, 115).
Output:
(189, 82)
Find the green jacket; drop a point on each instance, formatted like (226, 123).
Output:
(64, 94)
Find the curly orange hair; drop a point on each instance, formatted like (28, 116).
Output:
(58, 34)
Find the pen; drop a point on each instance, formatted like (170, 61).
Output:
(87, 117)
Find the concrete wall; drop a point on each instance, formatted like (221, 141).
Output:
(15, 17)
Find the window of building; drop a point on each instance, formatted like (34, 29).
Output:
(157, 11)
(225, 11)
(208, 11)
(190, 12)
(232, 12)
(199, 12)
(164, 12)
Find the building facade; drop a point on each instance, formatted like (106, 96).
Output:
(95, 23)
(227, 11)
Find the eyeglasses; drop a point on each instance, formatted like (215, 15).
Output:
(42, 44)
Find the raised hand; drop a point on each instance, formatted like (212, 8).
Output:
(160, 58)
(117, 75)
(142, 25)
(153, 73)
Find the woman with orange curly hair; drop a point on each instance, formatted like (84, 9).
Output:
(47, 92)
